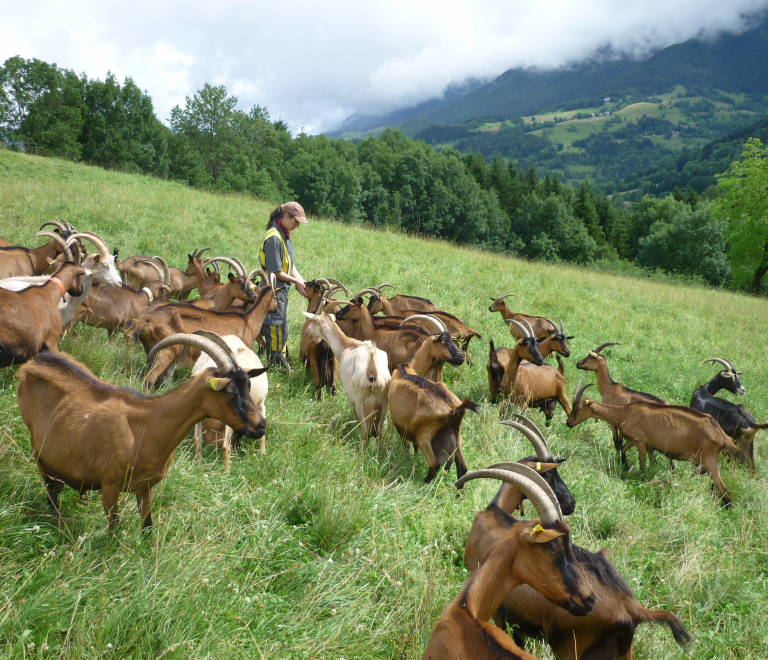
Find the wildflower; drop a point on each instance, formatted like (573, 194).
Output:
(70, 556)
(247, 599)
(333, 611)
(31, 647)
(43, 646)
(109, 647)
(205, 580)
(36, 528)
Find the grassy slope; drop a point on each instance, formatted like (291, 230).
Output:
(333, 549)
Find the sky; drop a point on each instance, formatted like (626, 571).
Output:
(315, 63)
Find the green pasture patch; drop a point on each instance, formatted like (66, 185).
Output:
(328, 547)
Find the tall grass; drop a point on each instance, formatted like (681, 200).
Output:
(328, 547)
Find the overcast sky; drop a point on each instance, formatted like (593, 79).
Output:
(315, 63)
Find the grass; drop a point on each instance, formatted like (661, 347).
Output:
(330, 548)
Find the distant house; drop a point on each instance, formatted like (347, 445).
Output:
(607, 99)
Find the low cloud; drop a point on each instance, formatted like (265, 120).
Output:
(313, 63)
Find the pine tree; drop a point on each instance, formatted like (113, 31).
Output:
(584, 210)
(531, 180)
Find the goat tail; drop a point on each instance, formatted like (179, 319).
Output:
(467, 404)
(729, 444)
(762, 426)
(493, 357)
(679, 631)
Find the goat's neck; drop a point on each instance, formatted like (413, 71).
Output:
(164, 421)
(223, 298)
(422, 360)
(491, 583)
(604, 380)
(314, 302)
(254, 317)
(714, 385)
(336, 339)
(203, 283)
(87, 281)
(514, 364)
(508, 498)
(614, 415)
(39, 256)
(388, 308)
(545, 347)
(366, 324)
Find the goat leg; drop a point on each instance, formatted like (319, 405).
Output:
(144, 502)
(53, 488)
(109, 500)
(198, 439)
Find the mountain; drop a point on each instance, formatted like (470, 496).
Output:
(733, 63)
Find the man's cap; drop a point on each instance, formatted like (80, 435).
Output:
(294, 209)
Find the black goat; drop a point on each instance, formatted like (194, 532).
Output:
(734, 419)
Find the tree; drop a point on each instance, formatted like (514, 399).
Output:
(584, 210)
(744, 203)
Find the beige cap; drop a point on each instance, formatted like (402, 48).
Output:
(294, 209)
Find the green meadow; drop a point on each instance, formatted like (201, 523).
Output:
(328, 547)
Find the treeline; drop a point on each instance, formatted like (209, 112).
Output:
(390, 180)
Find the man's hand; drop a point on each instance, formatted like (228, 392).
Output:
(300, 287)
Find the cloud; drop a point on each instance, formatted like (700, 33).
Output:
(314, 63)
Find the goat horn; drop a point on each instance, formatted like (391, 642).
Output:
(239, 263)
(327, 286)
(98, 242)
(364, 291)
(540, 448)
(428, 317)
(381, 285)
(608, 343)
(221, 359)
(504, 295)
(530, 329)
(336, 283)
(232, 263)
(562, 329)
(214, 265)
(525, 471)
(728, 366)
(77, 254)
(519, 325)
(329, 305)
(272, 281)
(155, 265)
(199, 253)
(62, 243)
(70, 226)
(526, 483)
(54, 223)
(554, 325)
(166, 270)
(529, 423)
(217, 339)
(262, 274)
(580, 390)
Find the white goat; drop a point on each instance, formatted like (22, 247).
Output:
(216, 432)
(363, 369)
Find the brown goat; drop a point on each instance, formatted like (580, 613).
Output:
(542, 327)
(427, 413)
(610, 391)
(17, 261)
(90, 435)
(159, 323)
(315, 353)
(400, 302)
(137, 274)
(679, 432)
(30, 321)
(605, 633)
(536, 552)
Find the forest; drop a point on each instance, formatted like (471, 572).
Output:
(389, 180)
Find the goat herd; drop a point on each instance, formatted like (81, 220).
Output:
(526, 573)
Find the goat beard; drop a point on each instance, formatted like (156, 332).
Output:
(235, 441)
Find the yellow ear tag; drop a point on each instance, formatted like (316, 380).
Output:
(538, 467)
(537, 529)
(214, 383)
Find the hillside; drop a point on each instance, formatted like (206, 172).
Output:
(327, 547)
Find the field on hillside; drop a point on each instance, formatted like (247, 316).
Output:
(330, 548)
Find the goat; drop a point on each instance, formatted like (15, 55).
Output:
(427, 413)
(502, 375)
(679, 432)
(400, 302)
(90, 435)
(161, 322)
(363, 369)
(16, 261)
(533, 552)
(214, 431)
(398, 338)
(541, 326)
(30, 321)
(138, 276)
(610, 391)
(315, 352)
(115, 309)
(735, 420)
(606, 632)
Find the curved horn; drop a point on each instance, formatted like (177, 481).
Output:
(602, 346)
(540, 499)
(327, 286)
(580, 390)
(562, 329)
(330, 305)
(381, 285)
(530, 329)
(728, 366)
(364, 291)
(215, 265)
(221, 359)
(504, 295)
(554, 325)
(54, 223)
(239, 263)
(70, 226)
(166, 270)
(155, 265)
(199, 253)
(77, 253)
(525, 471)
(519, 325)
(336, 283)
(62, 243)
(262, 274)
(96, 240)
(437, 323)
(232, 263)
(272, 281)
(217, 339)
(539, 445)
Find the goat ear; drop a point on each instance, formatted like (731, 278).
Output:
(97, 257)
(252, 373)
(219, 384)
(333, 317)
(231, 277)
(541, 339)
(571, 337)
(436, 337)
(541, 535)
(50, 261)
